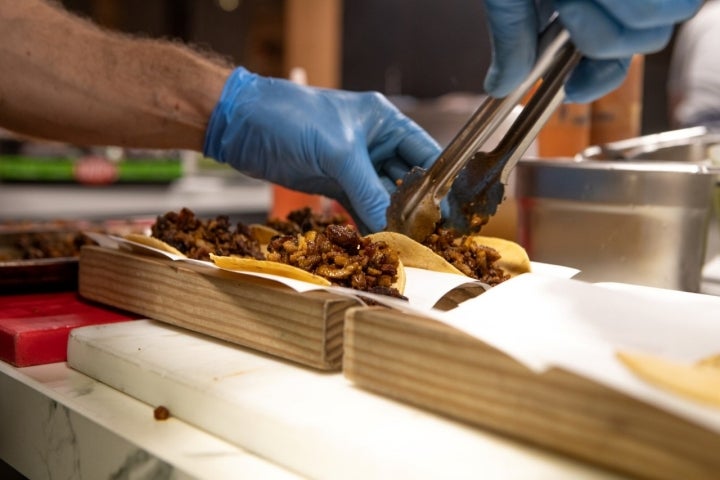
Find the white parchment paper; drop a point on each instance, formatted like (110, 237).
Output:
(544, 321)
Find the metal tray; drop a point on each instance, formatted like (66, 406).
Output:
(55, 272)
(18, 273)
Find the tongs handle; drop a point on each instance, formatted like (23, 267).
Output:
(557, 58)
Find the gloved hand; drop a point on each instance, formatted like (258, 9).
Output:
(348, 146)
(607, 32)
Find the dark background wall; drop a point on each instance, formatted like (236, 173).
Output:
(420, 48)
(427, 48)
(423, 48)
(250, 34)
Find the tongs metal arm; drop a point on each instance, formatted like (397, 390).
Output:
(415, 209)
(543, 103)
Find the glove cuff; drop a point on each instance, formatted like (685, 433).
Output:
(222, 113)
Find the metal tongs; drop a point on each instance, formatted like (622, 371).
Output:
(477, 177)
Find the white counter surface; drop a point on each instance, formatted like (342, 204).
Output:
(58, 423)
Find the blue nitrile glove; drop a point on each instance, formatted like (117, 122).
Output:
(607, 32)
(345, 145)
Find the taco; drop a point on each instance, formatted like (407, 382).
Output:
(490, 260)
(339, 254)
(513, 259)
(325, 254)
(263, 266)
(154, 243)
(197, 238)
(414, 254)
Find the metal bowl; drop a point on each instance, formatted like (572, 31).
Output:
(635, 211)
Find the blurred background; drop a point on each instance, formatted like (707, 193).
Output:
(423, 49)
(430, 59)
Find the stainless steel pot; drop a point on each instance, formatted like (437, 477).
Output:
(635, 211)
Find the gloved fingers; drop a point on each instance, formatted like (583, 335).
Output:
(343, 200)
(398, 136)
(367, 195)
(418, 148)
(393, 170)
(592, 79)
(413, 151)
(601, 29)
(514, 30)
(600, 35)
(395, 161)
(388, 184)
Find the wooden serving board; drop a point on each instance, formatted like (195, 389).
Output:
(260, 314)
(434, 366)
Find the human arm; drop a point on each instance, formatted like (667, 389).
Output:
(607, 32)
(64, 78)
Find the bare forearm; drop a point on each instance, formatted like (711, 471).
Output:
(65, 79)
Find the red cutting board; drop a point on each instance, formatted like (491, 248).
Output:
(34, 328)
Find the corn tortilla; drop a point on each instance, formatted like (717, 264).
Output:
(262, 233)
(154, 243)
(699, 381)
(414, 254)
(514, 259)
(264, 266)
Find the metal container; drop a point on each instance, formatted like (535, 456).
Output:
(635, 211)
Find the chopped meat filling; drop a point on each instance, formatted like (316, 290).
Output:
(341, 255)
(32, 246)
(476, 261)
(198, 238)
(303, 220)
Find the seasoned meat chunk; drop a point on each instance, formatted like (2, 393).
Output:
(342, 256)
(198, 238)
(476, 261)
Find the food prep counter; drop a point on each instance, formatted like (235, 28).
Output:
(58, 422)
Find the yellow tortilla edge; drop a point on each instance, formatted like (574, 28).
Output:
(154, 243)
(262, 233)
(414, 254)
(514, 259)
(242, 264)
(697, 382)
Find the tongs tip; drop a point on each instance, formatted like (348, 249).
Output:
(410, 212)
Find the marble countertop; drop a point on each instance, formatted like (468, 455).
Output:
(58, 423)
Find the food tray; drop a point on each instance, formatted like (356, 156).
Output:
(20, 275)
(245, 310)
(432, 365)
(17, 274)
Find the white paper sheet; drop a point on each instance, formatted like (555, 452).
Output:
(423, 288)
(545, 321)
